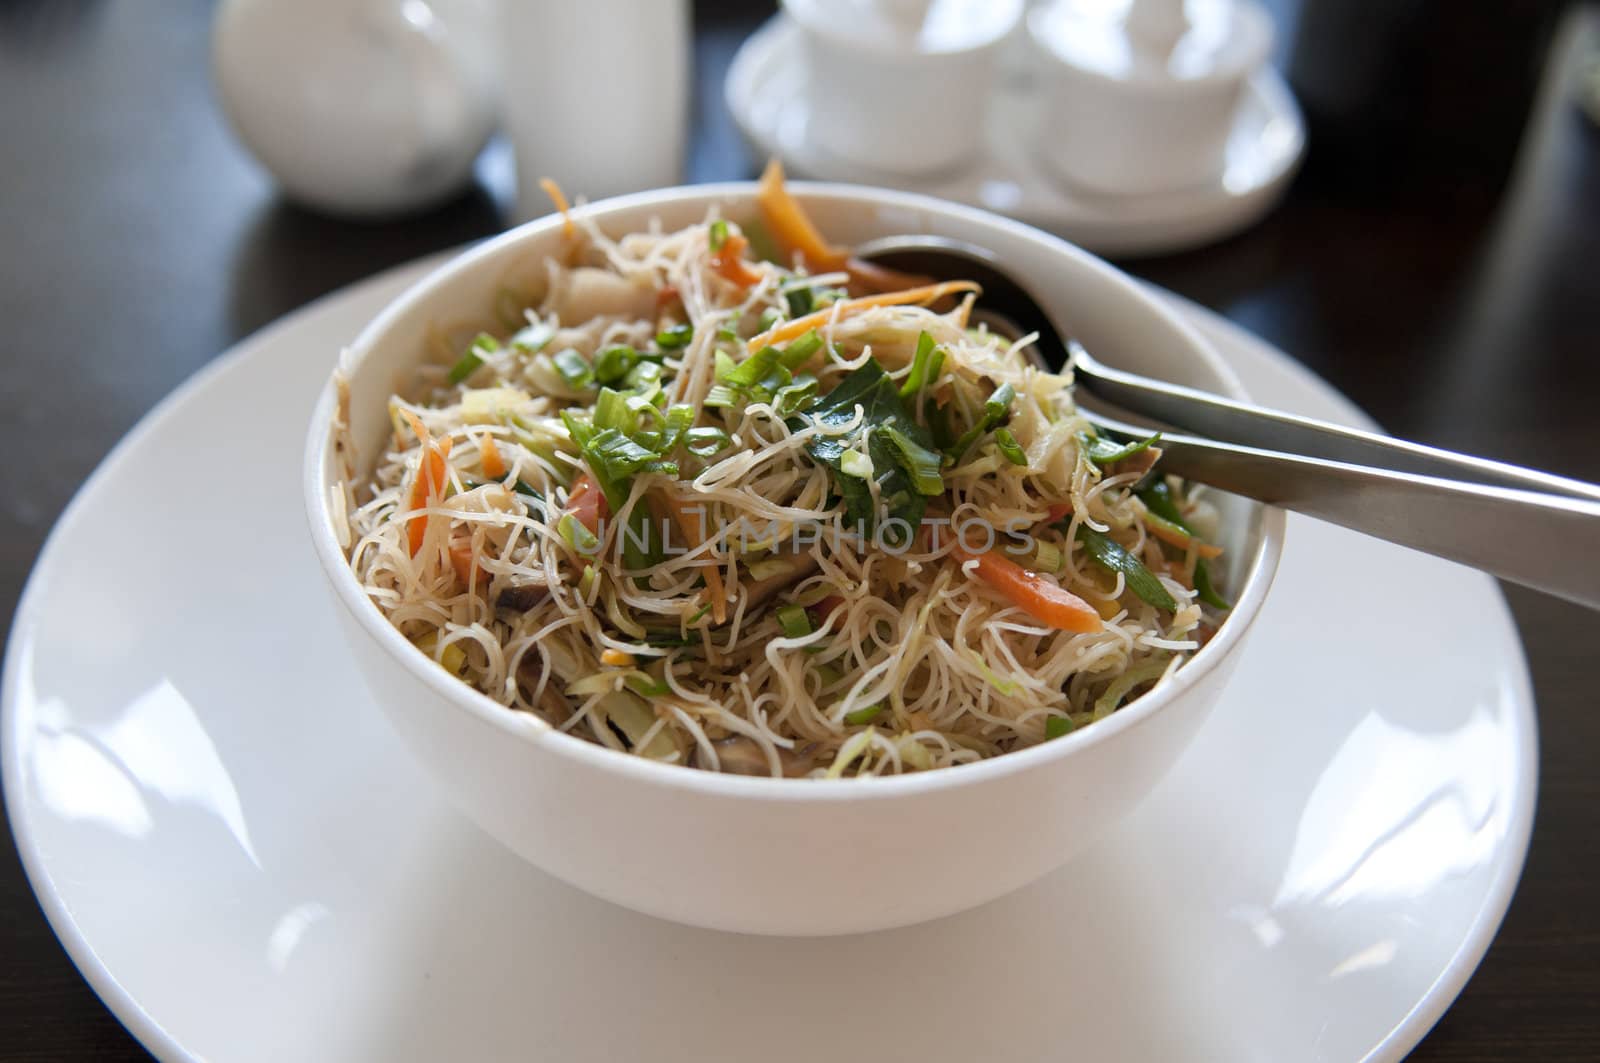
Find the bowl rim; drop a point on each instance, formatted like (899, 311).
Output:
(537, 733)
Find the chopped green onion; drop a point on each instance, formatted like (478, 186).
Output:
(800, 350)
(577, 536)
(925, 366)
(1113, 557)
(532, 338)
(719, 234)
(613, 363)
(645, 376)
(854, 463)
(728, 334)
(922, 463)
(586, 582)
(769, 318)
(796, 396)
(866, 715)
(702, 611)
(800, 301)
(1121, 686)
(1105, 452)
(995, 410)
(643, 685)
(704, 442)
(674, 337)
(678, 419)
(1046, 557)
(575, 370)
(721, 396)
(1010, 447)
(1157, 498)
(470, 362)
(1056, 726)
(754, 369)
(794, 622)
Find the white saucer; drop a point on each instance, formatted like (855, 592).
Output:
(766, 91)
(246, 865)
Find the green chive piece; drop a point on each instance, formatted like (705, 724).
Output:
(577, 536)
(575, 370)
(922, 463)
(704, 442)
(532, 338)
(470, 362)
(925, 366)
(995, 411)
(1105, 452)
(799, 351)
(866, 715)
(719, 234)
(674, 337)
(854, 463)
(613, 363)
(1010, 447)
(1205, 589)
(1056, 726)
(801, 301)
(721, 396)
(794, 621)
(1113, 557)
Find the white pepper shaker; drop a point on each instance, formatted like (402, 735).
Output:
(595, 95)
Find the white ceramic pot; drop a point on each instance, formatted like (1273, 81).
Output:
(783, 856)
(901, 85)
(358, 107)
(1140, 105)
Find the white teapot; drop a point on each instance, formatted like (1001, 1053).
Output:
(359, 107)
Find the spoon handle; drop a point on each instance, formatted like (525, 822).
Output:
(1256, 426)
(1547, 542)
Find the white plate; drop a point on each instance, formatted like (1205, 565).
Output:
(766, 91)
(247, 866)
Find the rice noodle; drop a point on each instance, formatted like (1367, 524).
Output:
(956, 671)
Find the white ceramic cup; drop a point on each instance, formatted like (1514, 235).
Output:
(780, 856)
(901, 86)
(1113, 121)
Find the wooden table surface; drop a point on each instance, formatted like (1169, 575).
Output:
(138, 241)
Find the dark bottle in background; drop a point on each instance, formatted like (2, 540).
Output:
(1403, 96)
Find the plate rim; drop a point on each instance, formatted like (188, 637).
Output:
(1441, 993)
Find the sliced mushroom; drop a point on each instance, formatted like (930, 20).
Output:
(521, 596)
(740, 755)
(1140, 463)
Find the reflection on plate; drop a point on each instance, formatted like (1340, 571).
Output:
(247, 866)
(766, 92)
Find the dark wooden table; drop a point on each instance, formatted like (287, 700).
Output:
(137, 242)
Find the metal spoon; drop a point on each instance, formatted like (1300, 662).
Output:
(1530, 527)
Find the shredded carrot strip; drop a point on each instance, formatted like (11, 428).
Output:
(494, 466)
(1059, 511)
(729, 262)
(689, 528)
(790, 226)
(1181, 539)
(1039, 596)
(431, 477)
(789, 330)
(553, 190)
(588, 503)
(461, 559)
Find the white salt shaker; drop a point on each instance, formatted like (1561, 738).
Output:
(901, 86)
(1140, 95)
(595, 95)
(357, 107)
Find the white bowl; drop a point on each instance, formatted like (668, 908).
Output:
(783, 856)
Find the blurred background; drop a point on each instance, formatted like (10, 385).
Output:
(1412, 211)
